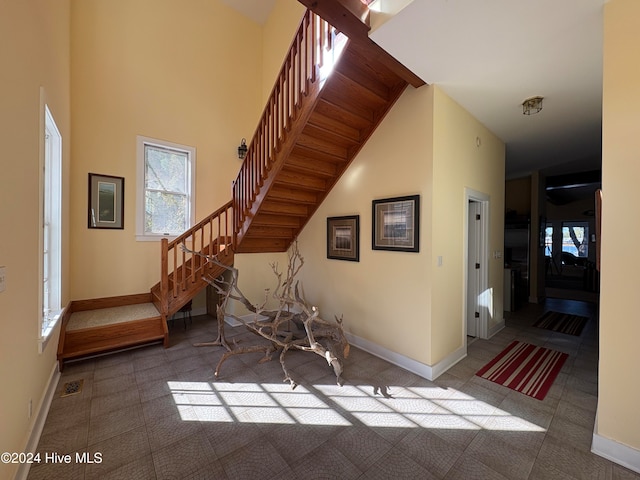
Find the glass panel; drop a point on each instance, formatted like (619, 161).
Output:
(548, 242)
(165, 213)
(165, 169)
(575, 241)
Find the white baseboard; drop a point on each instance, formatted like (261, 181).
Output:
(495, 329)
(616, 452)
(427, 371)
(38, 424)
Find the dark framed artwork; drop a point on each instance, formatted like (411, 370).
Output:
(343, 238)
(106, 201)
(396, 224)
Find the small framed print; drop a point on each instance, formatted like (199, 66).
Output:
(396, 224)
(343, 238)
(106, 201)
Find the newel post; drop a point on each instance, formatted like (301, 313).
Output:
(164, 276)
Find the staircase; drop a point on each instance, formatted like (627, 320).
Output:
(332, 92)
(314, 125)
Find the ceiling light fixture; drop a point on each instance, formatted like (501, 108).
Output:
(531, 105)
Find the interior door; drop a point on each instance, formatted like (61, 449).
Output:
(473, 268)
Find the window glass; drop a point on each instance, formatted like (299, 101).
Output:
(165, 188)
(51, 226)
(575, 242)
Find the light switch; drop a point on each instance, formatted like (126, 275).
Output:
(3, 279)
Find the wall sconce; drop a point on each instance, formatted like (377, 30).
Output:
(242, 149)
(532, 105)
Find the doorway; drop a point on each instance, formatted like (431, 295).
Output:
(478, 303)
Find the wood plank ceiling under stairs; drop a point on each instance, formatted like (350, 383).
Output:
(351, 104)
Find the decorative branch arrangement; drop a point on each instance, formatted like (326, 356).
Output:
(313, 334)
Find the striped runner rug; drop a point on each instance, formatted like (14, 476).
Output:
(562, 322)
(525, 368)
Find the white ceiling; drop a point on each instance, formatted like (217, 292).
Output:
(490, 55)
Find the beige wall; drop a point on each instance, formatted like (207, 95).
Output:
(34, 53)
(164, 70)
(277, 35)
(619, 390)
(466, 155)
(384, 297)
(403, 301)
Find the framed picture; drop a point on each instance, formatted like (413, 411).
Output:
(396, 224)
(343, 238)
(106, 201)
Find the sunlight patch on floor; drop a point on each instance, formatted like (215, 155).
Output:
(327, 405)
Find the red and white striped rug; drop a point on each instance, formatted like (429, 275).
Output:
(525, 368)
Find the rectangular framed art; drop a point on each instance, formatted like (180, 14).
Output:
(106, 201)
(396, 224)
(343, 238)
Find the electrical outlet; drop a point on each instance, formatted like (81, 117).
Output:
(3, 278)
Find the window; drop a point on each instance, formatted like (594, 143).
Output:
(51, 226)
(575, 240)
(548, 240)
(166, 179)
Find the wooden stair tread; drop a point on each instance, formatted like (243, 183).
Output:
(291, 177)
(332, 137)
(338, 113)
(335, 126)
(325, 161)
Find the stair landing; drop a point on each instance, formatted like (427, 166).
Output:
(110, 316)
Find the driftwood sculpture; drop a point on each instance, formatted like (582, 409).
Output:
(293, 325)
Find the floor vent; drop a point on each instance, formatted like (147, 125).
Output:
(72, 388)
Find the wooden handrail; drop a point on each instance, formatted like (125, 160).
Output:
(179, 269)
(313, 41)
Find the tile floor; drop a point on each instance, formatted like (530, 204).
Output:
(152, 413)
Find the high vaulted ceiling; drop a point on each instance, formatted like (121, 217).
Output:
(491, 55)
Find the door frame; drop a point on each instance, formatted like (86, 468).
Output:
(486, 304)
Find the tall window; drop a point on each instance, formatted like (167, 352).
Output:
(165, 188)
(51, 223)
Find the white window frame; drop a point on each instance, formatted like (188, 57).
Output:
(141, 143)
(50, 298)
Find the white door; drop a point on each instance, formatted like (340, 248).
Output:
(473, 268)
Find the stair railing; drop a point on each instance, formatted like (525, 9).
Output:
(311, 49)
(181, 270)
